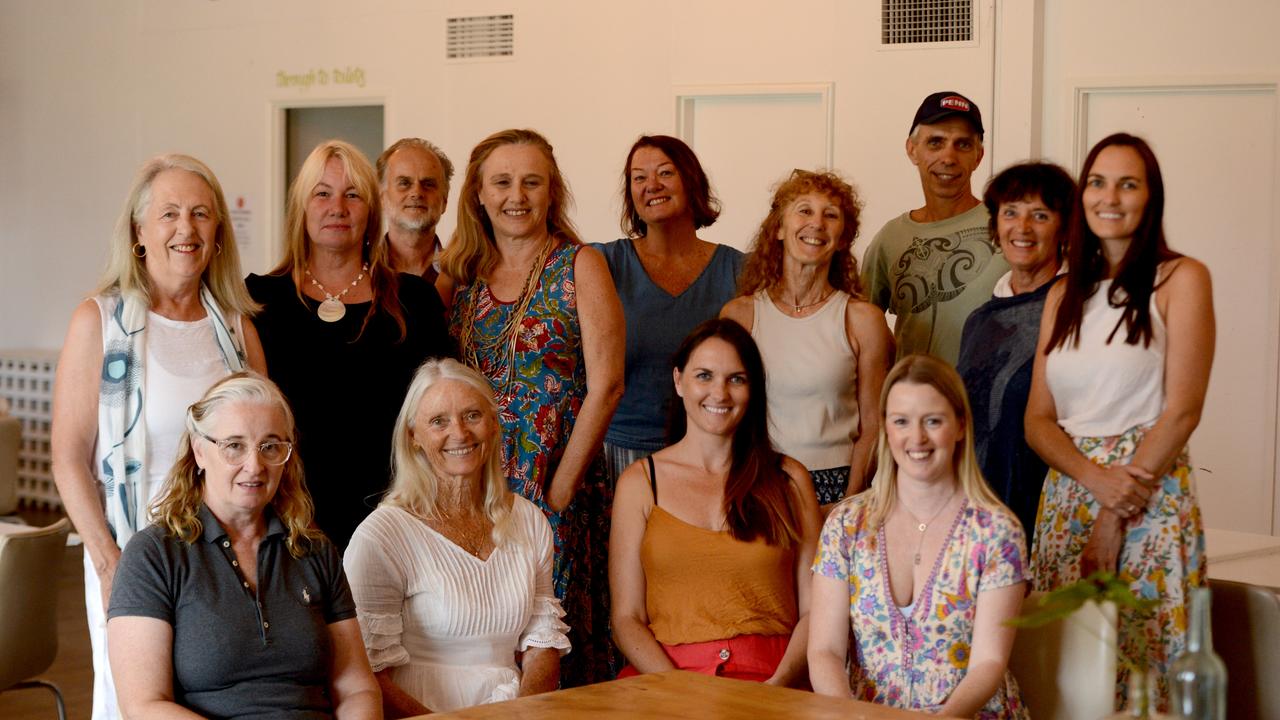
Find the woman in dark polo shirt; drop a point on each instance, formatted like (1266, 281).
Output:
(232, 604)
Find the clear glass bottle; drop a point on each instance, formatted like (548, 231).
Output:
(1142, 699)
(1197, 677)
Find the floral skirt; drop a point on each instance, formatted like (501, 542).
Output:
(1162, 558)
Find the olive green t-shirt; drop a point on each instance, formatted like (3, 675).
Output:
(931, 276)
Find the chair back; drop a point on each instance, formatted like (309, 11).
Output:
(1067, 669)
(10, 442)
(1246, 635)
(29, 567)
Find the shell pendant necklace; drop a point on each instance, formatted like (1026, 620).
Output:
(332, 309)
(923, 526)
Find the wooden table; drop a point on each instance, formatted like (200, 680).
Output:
(680, 694)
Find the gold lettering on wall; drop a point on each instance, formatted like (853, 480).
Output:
(350, 75)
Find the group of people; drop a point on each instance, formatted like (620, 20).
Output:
(415, 476)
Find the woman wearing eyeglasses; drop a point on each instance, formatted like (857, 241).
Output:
(232, 603)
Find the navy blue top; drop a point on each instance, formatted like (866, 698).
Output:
(656, 324)
(997, 352)
(237, 654)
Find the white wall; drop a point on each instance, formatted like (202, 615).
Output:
(92, 88)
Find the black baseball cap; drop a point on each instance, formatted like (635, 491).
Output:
(944, 104)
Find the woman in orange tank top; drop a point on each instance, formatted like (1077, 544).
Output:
(712, 536)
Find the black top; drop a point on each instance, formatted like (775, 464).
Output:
(346, 393)
(236, 654)
(997, 352)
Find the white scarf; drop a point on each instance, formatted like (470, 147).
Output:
(122, 431)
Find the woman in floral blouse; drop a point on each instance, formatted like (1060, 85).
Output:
(927, 565)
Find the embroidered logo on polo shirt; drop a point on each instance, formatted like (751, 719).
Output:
(306, 595)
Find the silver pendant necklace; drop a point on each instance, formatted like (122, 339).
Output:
(331, 308)
(923, 526)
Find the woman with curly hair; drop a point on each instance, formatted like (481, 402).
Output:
(232, 603)
(825, 348)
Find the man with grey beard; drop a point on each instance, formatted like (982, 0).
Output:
(414, 175)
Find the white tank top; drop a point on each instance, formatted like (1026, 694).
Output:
(812, 381)
(182, 362)
(1102, 389)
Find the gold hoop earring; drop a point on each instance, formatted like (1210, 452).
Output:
(217, 249)
(139, 246)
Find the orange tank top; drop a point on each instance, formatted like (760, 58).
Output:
(702, 585)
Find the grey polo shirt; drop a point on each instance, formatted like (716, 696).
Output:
(237, 654)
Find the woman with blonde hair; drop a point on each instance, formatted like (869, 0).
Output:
(925, 567)
(826, 348)
(343, 332)
(452, 573)
(232, 603)
(170, 317)
(536, 313)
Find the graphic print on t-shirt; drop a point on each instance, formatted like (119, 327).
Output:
(934, 270)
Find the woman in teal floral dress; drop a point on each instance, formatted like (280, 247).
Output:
(925, 567)
(536, 312)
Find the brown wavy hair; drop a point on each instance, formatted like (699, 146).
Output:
(697, 188)
(763, 267)
(471, 253)
(384, 280)
(177, 509)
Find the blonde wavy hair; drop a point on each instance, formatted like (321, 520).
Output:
(297, 244)
(177, 509)
(415, 484)
(928, 370)
(471, 253)
(127, 273)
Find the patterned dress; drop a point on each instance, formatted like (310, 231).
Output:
(1108, 395)
(539, 385)
(1162, 558)
(915, 659)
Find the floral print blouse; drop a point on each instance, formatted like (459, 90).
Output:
(914, 658)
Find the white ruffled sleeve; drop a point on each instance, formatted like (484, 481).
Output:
(379, 587)
(545, 629)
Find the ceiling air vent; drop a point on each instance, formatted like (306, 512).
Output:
(906, 22)
(480, 36)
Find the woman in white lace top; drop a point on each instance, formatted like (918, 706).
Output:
(452, 573)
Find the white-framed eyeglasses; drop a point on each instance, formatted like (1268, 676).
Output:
(236, 451)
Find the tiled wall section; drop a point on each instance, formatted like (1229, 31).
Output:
(26, 382)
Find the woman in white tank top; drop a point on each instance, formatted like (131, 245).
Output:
(826, 350)
(168, 319)
(1126, 344)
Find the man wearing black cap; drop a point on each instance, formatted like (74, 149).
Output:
(934, 265)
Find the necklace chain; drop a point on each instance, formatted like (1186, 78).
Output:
(506, 336)
(923, 526)
(797, 309)
(364, 268)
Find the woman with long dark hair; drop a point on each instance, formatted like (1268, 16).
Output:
(1126, 345)
(712, 536)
